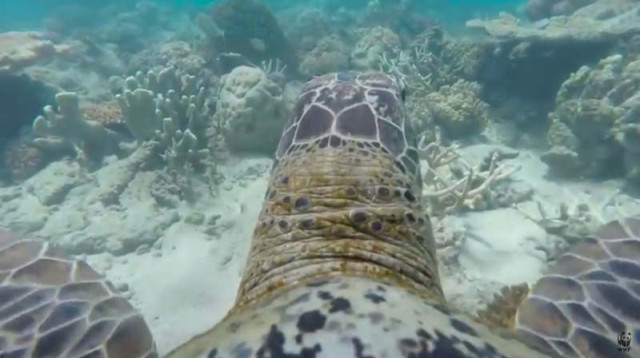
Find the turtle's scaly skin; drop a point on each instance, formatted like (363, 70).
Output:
(343, 262)
(52, 306)
(589, 296)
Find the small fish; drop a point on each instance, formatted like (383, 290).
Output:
(258, 44)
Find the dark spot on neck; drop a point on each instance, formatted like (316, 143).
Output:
(359, 217)
(359, 348)
(409, 196)
(308, 223)
(325, 295)
(311, 321)
(301, 203)
(410, 217)
(376, 225)
(463, 327)
(375, 298)
(317, 283)
(339, 304)
(383, 192)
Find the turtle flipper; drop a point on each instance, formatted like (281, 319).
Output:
(53, 306)
(590, 298)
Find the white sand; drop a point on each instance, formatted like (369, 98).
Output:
(193, 283)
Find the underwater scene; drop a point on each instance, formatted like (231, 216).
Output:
(320, 179)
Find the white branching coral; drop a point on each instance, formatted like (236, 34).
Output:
(452, 184)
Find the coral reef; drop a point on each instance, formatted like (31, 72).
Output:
(452, 184)
(595, 116)
(250, 28)
(431, 61)
(67, 129)
(306, 27)
(108, 113)
(456, 110)
(329, 55)
(178, 54)
(373, 44)
(540, 9)
(21, 49)
(173, 111)
(20, 160)
(600, 21)
(250, 111)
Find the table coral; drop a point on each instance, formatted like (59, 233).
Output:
(540, 9)
(603, 20)
(21, 49)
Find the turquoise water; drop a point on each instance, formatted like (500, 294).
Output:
(29, 14)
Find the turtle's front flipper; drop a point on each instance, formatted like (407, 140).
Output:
(52, 306)
(588, 304)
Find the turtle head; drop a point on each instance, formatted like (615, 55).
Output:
(338, 109)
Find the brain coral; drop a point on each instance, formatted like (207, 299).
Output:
(250, 110)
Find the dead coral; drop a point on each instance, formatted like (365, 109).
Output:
(452, 184)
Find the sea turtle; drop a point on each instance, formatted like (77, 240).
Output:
(342, 264)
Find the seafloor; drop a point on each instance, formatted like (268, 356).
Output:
(154, 158)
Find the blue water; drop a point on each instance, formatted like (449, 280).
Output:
(29, 14)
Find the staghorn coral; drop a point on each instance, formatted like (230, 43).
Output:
(451, 184)
(594, 119)
(250, 110)
(447, 60)
(373, 44)
(433, 61)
